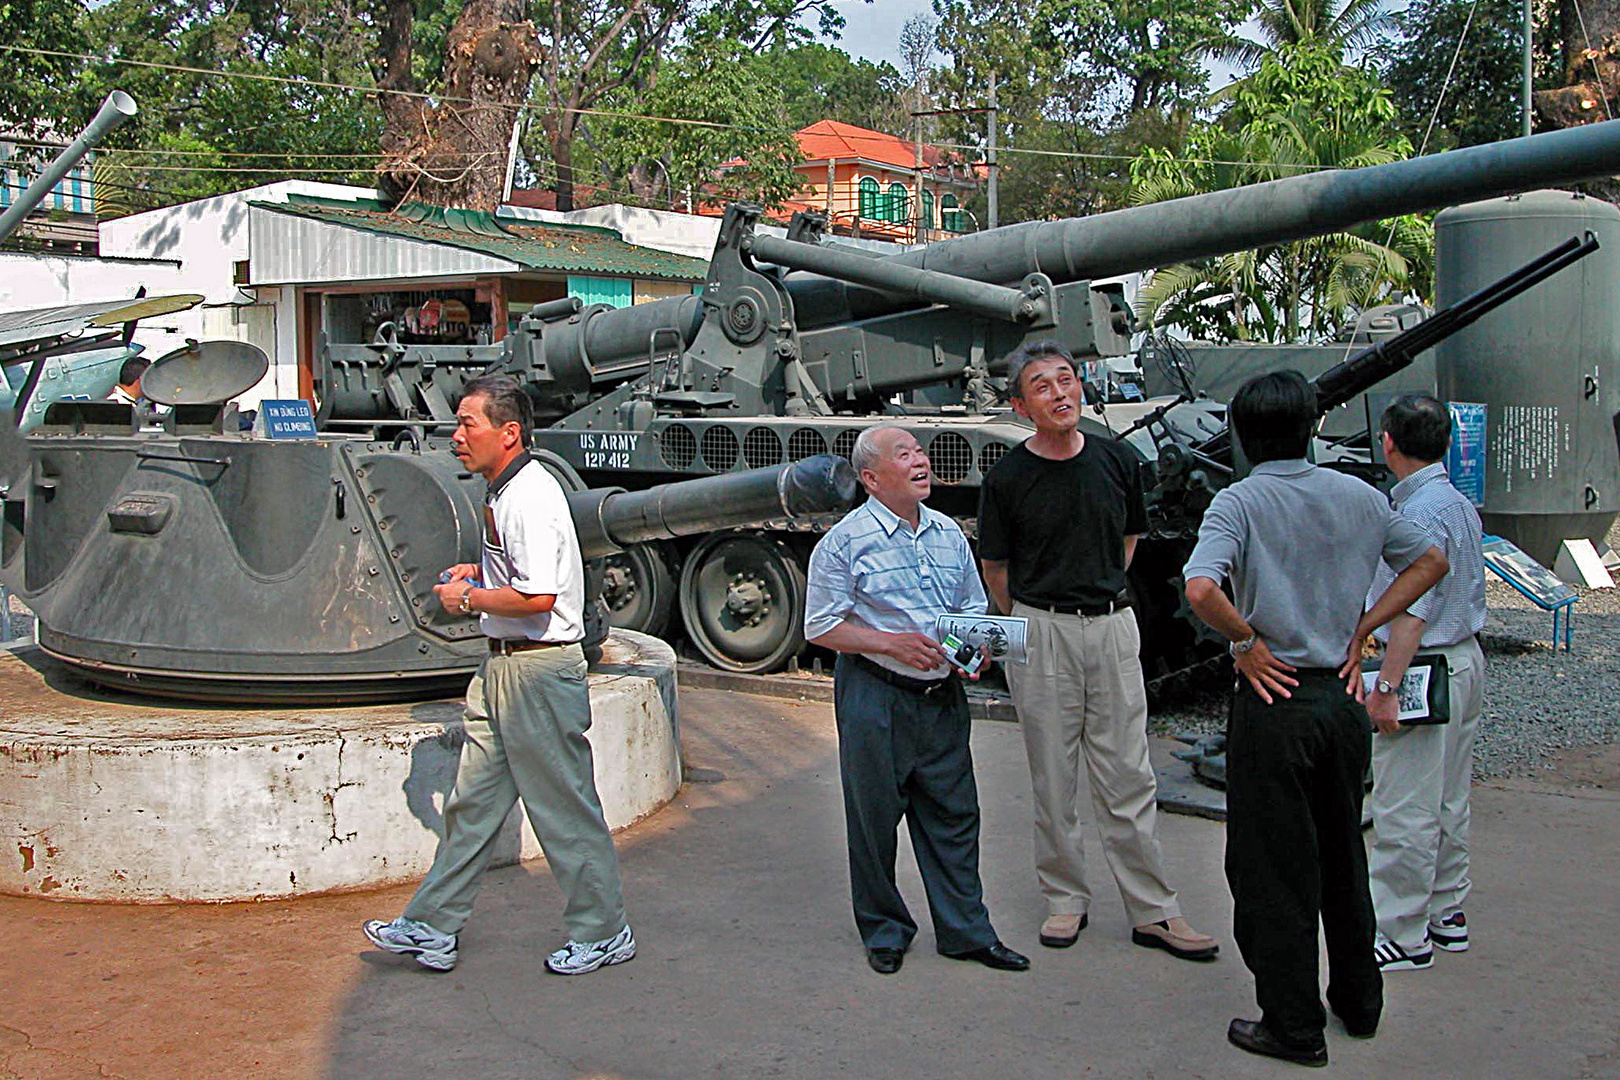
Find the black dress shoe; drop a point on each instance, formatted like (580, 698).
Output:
(885, 961)
(995, 955)
(1253, 1036)
(1355, 1030)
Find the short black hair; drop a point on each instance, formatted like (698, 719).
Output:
(133, 369)
(505, 401)
(1419, 425)
(1273, 415)
(1025, 355)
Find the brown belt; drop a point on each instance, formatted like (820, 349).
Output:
(508, 646)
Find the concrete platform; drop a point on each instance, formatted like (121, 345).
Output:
(112, 797)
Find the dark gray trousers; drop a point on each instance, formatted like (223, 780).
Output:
(905, 754)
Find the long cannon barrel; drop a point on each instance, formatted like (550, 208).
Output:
(1342, 382)
(118, 107)
(1293, 208)
(611, 520)
(1177, 230)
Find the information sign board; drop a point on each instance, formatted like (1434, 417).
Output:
(1525, 574)
(286, 419)
(1465, 460)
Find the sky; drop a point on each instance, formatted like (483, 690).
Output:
(872, 32)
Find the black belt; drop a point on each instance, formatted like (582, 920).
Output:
(1090, 611)
(508, 646)
(916, 686)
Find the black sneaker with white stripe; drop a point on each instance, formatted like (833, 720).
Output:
(1391, 957)
(1450, 933)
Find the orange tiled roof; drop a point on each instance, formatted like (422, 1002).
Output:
(834, 139)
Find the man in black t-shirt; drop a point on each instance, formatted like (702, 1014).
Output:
(1058, 523)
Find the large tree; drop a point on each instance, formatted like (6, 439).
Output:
(1299, 112)
(231, 123)
(453, 152)
(822, 82)
(1083, 86)
(597, 52)
(1455, 63)
(727, 110)
(35, 95)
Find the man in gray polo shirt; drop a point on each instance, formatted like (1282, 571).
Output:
(1300, 546)
(1421, 774)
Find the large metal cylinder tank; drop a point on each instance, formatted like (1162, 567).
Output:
(1546, 365)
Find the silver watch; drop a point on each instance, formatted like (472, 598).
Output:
(1239, 648)
(1384, 686)
(465, 605)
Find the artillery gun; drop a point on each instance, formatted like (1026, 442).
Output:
(201, 561)
(182, 556)
(796, 344)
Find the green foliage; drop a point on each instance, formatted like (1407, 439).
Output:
(1481, 103)
(1075, 77)
(1300, 112)
(35, 87)
(820, 82)
(199, 125)
(732, 112)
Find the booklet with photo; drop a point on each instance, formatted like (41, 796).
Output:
(1006, 635)
(1424, 693)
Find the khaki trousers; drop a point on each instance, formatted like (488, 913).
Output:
(1421, 779)
(526, 719)
(1081, 698)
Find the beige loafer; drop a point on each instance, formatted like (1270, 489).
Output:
(1177, 938)
(1061, 931)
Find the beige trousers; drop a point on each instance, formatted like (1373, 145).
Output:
(1081, 698)
(1421, 781)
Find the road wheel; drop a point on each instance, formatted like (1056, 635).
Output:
(742, 598)
(639, 590)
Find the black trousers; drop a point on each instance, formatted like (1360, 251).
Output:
(1295, 774)
(902, 754)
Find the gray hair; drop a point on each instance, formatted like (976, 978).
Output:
(866, 452)
(1025, 355)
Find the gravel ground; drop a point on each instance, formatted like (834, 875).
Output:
(1538, 701)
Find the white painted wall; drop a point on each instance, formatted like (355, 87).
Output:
(30, 281)
(208, 238)
(663, 230)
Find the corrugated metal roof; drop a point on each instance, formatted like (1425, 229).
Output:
(572, 249)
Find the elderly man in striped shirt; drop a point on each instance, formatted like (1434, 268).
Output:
(1421, 775)
(878, 580)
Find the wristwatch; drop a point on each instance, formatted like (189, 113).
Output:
(1384, 686)
(465, 606)
(1238, 648)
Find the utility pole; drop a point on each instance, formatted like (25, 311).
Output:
(1524, 121)
(917, 208)
(991, 156)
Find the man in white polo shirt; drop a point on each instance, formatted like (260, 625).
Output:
(528, 708)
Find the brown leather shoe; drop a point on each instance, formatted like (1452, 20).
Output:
(1061, 931)
(1177, 938)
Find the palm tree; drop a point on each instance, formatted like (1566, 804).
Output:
(1306, 290)
(1356, 25)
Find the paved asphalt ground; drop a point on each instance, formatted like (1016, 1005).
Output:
(750, 967)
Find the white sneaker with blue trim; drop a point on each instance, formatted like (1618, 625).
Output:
(432, 948)
(579, 957)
